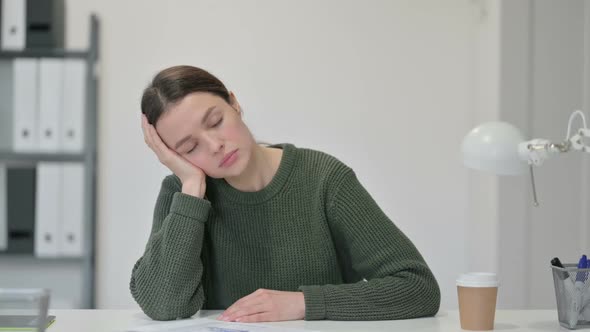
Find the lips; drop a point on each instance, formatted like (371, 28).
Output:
(227, 156)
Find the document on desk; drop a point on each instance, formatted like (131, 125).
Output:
(199, 325)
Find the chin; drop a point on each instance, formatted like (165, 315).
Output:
(238, 168)
(215, 176)
(234, 171)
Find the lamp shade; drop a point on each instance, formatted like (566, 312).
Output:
(493, 147)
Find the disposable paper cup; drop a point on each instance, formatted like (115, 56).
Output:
(477, 293)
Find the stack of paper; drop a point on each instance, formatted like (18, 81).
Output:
(208, 325)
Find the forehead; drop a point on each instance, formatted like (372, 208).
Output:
(184, 116)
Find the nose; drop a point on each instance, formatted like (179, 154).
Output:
(214, 143)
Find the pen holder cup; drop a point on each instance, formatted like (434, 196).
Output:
(573, 296)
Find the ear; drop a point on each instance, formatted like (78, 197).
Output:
(233, 101)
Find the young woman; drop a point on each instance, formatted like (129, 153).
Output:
(267, 233)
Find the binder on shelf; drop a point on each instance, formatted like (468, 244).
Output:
(47, 209)
(3, 211)
(45, 24)
(26, 24)
(24, 100)
(13, 29)
(74, 105)
(20, 203)
(71, 237)
(50, 103)
(6, 112)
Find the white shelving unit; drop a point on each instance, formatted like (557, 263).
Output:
(71, 280)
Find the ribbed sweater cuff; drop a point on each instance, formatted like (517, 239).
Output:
(190, 206)
(315, 305)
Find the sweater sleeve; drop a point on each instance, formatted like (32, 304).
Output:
(166, 280)
(397, 282)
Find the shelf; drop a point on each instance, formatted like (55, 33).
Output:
(43, 53)
(91, 53)
(72, 278)
(9, 157)
(31, 257)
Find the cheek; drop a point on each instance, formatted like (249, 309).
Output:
(205, 164)
(235, 133)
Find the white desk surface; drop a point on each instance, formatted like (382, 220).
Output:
(119, 320)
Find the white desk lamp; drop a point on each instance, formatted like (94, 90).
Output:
(500, 147)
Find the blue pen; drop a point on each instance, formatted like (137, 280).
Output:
(578, 295)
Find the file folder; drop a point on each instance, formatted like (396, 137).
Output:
(13, 29)
(3, 211)
(6, 106)
(20, 202)
(71, 237)
(74, 105)
(23, 323)
(25, 309)
(50, 103)
(45, 24)
(47, 209)
(25, 104)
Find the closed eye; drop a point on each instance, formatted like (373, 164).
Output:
(192, 149)
(218, 122)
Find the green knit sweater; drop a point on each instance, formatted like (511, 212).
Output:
(313, 228)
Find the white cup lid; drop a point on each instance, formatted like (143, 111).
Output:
(478, 279)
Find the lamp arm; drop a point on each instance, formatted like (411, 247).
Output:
(536, 151)
(572, 117)
(578, 142)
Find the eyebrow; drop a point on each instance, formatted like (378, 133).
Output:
(187, 137)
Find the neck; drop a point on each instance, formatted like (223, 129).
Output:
(261, 169)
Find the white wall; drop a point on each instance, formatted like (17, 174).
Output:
(559, 85)
(386, 86)
(513, 192)
(481, 227)
(539, 76)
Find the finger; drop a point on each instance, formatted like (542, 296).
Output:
(148, 136)
(148, 140)
(159, 147)
(157, 140)
(261, 317)
(144, 129)
(247, 311)
(244, 300)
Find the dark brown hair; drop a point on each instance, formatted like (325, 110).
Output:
(172, 84)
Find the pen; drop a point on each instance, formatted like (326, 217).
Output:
(562, 274)
(578, 295)
(568, 284)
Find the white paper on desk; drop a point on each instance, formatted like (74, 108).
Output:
(209, 326)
